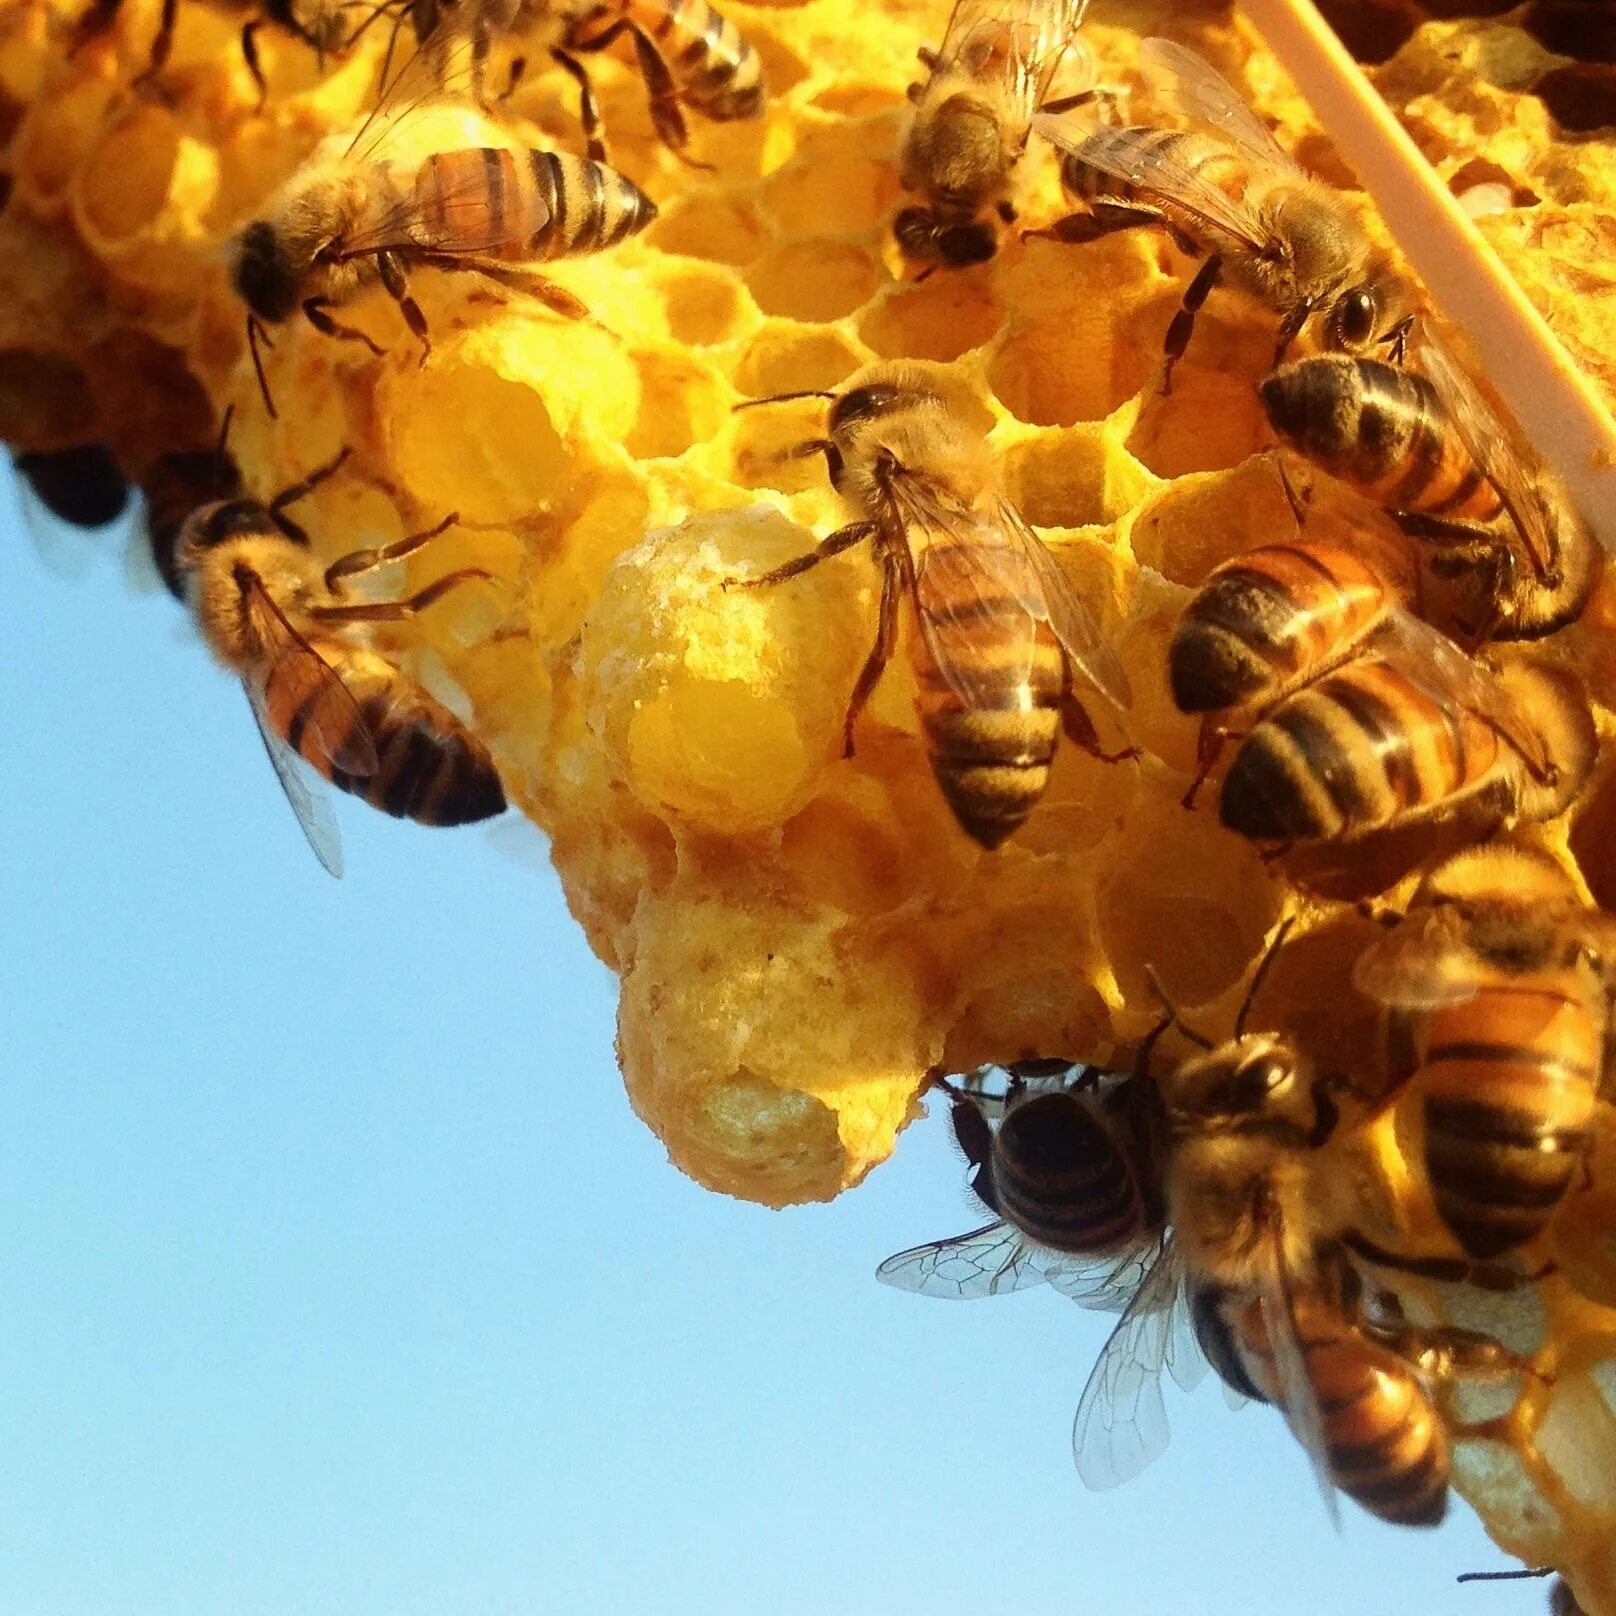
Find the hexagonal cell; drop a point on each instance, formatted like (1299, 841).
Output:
(789, 358)
(711, 225)
(1072, 479)
(703, 305)
(847, 848)
(1211, 420)
(1581, 96)
(940, 320)
(1571, 28)
(1373, 30)
(813, 280)
(681, 403)
(840, 182)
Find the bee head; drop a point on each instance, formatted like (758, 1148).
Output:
(860, 404)
(263, 274)
(1354, 320)
(212, 525)
(925, 237)
(1249, 1081)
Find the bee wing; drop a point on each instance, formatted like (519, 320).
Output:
(421, 82)
(1162, 174)
(1121, 1421)
(980, 578)
(1019, 42)
(1295, 1386)
(306, 689)
(1422, 964)
(1454, 679)
(454, 217)
(1493, 446)
(1064, 611)
(1202, 96)
(309, 803)
(1105, 1284)
(990, 1261)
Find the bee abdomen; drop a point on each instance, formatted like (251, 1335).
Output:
(1363, 746)
(591, 207)
(1381, 429)
(1062, 1179)
(716, 69)
(431, 768)
(1087, 182)
(1266, 618)
(1385, 1442)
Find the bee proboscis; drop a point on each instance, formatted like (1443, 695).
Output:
(1409, 730)
(317, 689)
(1431, 450)
(344, 223)
(997, 61)
(1226, 189)
(1503, 973)
(1001, 631)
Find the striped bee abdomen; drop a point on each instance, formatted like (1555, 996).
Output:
(1061, 1177)
(717, 71)
(532, 205)
(1135, 148)
(1508, 1088)
(991, 755)
(1364, 747)
(1382, 1437)
(1383, 430)
(1265, 619)
(431, 768)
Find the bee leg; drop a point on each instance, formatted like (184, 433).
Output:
(290, 496)
(1099, 219)
(844, 538)
(100, 16)
(1293, 322)
(588, 106)
(886, 637)
(1183, 322)
(1396, 340)
(1296, 502)
(391, 269)
(517, 73)
(357, 561)
(929, 59)
(666, 115)
(1080, 731)
(249, 53)
(1208, 748)
(393, 611)
(162, 45)
(526, 281)
(314, 311)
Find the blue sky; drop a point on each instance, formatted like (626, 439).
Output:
(338, 1277)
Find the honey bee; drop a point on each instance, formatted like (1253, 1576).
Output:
(317, 689)
(1502, 969)
(1430, 449)
(972, 115)
(1226, 189)
(176, 485)
(344, 223)
(1067, 1172)
(688, 53)
(1001, 631)
(1411, 730)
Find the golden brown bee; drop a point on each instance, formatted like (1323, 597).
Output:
(1068, 1172)
(1411, 730)
(1225, 188)
(317, 689)
(1449, 472)
(688, 53)
(1502, 970)
(1001, 631)
(346, 222)
(996, 64)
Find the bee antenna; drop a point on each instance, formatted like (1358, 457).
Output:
(781, 398)
(1269, 956)
(1171, 1019)
(254, 331)
(1505, 1576)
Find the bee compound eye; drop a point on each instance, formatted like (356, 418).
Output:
(1356, 317)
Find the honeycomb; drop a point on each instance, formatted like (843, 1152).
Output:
(802, 936)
